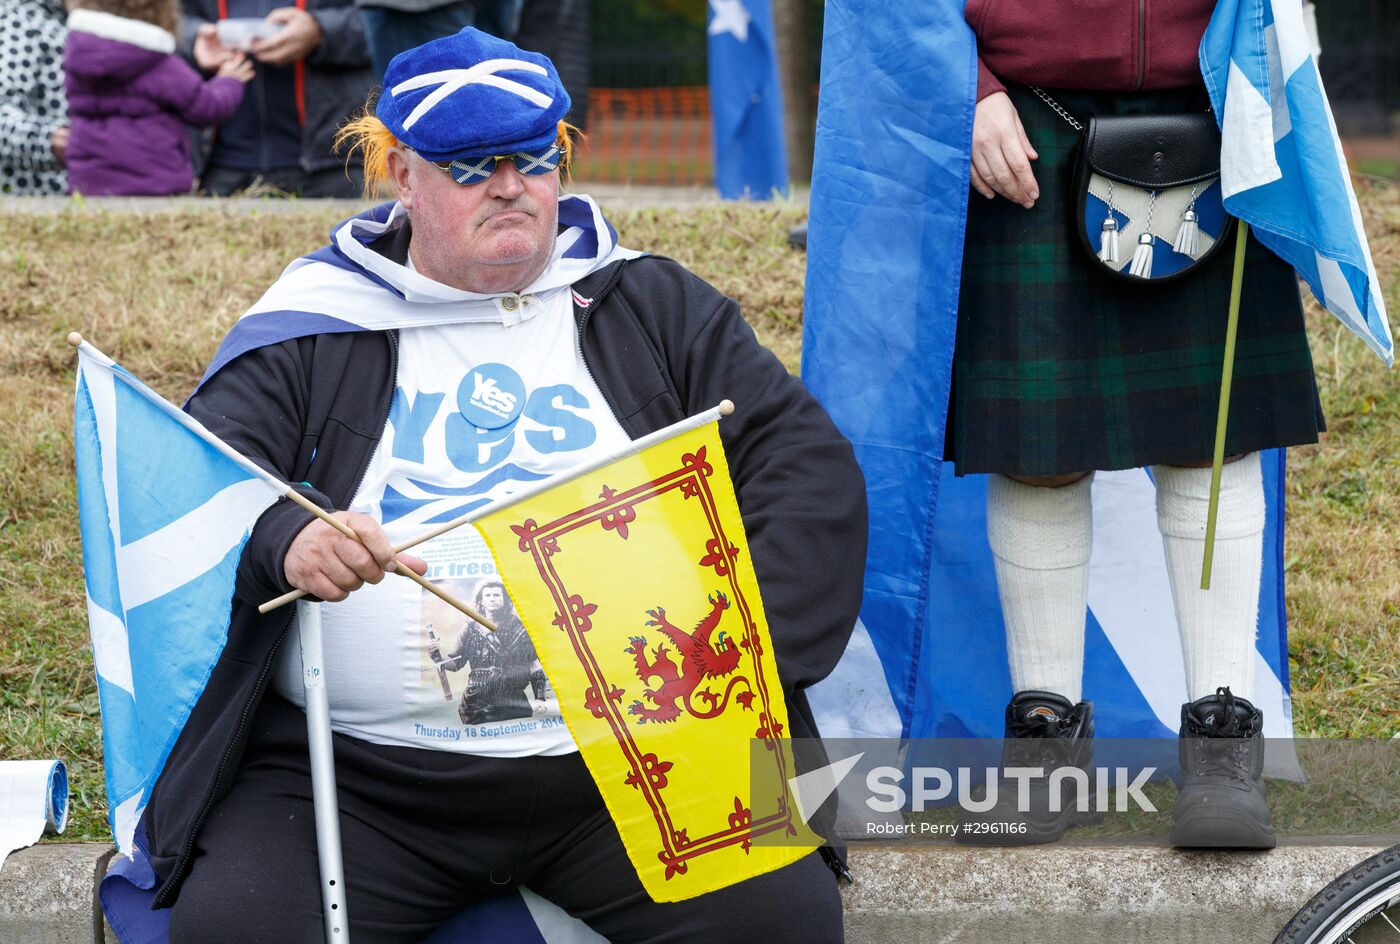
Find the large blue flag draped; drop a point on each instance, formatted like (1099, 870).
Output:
(164, 516)
(746, 101)
(1281, 163)
(888, 210)
(888, 207)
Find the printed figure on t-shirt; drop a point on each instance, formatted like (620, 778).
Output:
(502, 663)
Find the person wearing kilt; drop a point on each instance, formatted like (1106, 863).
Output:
(1061, 369)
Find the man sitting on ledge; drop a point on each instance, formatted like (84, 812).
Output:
(481, 330)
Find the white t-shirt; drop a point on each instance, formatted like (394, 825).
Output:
(480, 409)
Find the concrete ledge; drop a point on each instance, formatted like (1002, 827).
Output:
(1078, 893)
(1061, 894)
(48, 894)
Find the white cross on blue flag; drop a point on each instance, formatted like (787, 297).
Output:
(165, 509)
(1282, 170)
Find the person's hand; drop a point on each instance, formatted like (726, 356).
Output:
(327, 564)
(58, 143)
(209, 53)
(239, 67)
(1001, 152)
(300, 33)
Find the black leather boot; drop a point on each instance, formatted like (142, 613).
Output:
(1221, 803)
(1042, 730)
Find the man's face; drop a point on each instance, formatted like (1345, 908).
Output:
(492, 599)
(495, 236)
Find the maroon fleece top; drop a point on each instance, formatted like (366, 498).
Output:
(1113, 45)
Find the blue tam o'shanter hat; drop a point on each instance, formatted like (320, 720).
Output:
(472, 94)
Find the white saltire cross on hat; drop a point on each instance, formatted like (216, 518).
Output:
(483, 73)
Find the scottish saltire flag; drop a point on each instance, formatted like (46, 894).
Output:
(1281, 163)
(164, 513)
(888, 205)
(746, 101)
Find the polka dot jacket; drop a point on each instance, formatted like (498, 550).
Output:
(32, 107)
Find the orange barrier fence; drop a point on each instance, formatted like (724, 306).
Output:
(647, 136)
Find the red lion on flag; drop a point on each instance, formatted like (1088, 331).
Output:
(699, 661)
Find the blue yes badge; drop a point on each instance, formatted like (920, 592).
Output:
(491, 396)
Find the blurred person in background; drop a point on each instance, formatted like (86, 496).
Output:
(33, 115)
(309, 75)
(559, 29)
(130, 97)
(392, 26)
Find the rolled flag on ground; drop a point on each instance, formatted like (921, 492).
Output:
(33, 801)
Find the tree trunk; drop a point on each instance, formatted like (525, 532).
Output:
(795, 70)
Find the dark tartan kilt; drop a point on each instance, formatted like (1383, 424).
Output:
(1060, 368)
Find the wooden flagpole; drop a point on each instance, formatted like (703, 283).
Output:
(1223, 413)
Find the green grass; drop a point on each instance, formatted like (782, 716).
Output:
(1387, 167)
(158, 291)
(650, 170)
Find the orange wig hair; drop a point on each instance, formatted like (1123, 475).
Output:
(373, 139)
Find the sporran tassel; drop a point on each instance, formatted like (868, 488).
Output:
(1108, 241)
(1142, 258)
(1188, 237)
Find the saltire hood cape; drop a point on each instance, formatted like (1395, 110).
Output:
(348, 286)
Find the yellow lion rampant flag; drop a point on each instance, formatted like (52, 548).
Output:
(635, 583)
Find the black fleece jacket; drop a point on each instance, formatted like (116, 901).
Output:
(662, 345)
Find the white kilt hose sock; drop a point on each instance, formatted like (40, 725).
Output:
(1041, 539)
(1218, 625)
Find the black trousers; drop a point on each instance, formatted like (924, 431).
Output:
(425, 833)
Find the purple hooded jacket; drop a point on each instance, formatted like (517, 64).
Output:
(129, 98)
